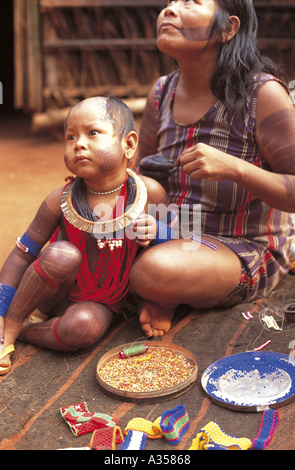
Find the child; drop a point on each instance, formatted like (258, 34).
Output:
(80, 280)
(227, 124)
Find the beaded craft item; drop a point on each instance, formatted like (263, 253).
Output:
(81, 421)
(269, 422)
(152, 430)
(135, 440)
(106, 438)
(174, 424)
(212, 437)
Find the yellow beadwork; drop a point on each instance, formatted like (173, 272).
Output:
(212, 435)
(152, 430)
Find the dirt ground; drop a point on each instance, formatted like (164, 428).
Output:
(42, 381)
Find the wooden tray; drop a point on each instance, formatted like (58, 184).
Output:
(154, 395)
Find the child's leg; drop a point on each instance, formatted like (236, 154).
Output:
(185, 274)
(46, 280)
(81, 326)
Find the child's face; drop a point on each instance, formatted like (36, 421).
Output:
(185, 24)
(92, 147)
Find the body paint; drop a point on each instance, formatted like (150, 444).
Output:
(278, 136)
(201, 33)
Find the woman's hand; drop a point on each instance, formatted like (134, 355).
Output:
(145, 227)
(205, 162)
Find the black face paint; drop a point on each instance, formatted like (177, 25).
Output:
(108, 158)
(201, 33)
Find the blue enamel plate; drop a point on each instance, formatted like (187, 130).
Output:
(251, 381)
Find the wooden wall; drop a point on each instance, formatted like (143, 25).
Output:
(66, 50)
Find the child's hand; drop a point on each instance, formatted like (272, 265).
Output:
(145, 228)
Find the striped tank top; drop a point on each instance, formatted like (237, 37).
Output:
(228, 212)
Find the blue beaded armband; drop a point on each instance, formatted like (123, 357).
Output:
(164, 233)
(6, 296)
(27, 245)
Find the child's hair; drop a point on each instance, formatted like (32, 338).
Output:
(121, 116)
(118, 112)
(240, 58)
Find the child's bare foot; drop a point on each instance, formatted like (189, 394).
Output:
(155, 320)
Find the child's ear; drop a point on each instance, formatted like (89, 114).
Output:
(129, 144)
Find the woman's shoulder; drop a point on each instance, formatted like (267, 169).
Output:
(167, 81)
(262, 78)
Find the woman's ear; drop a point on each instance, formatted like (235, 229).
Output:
(129, 144)
(232, 29)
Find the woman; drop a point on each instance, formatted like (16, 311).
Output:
(228, 126)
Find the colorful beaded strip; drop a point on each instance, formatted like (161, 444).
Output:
(269, 422)
(174, 424)
(135, 440)
(212, 437)
(106, 438)
(152, 430)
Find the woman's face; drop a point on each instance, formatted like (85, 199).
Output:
(185, 25)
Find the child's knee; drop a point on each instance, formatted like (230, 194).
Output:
(60, 261)
(84, 324)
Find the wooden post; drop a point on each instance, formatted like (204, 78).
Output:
(19, 21)
(34, 65)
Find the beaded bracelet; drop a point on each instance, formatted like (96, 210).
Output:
(27, 245)
(6, 296)
(164, 233)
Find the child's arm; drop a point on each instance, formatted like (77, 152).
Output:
(26, 250)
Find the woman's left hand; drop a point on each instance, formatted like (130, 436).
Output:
(205, 162)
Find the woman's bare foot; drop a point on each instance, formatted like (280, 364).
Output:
(155, 320)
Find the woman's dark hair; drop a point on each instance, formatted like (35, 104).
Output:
(239, 58)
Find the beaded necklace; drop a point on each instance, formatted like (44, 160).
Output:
(109, 282)
(104, 193)
(101, 227)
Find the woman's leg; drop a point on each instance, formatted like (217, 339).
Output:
(182, 272)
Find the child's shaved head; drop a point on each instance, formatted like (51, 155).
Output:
(114, 110)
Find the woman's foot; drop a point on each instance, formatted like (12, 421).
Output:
(155, 320)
